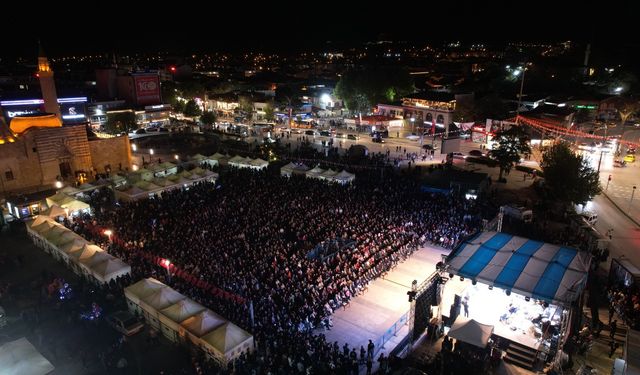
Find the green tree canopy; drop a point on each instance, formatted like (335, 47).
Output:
(363, 88)
(178, 106)
(208, 117)
(191, 109)
(568, 176)
(512, 143)
(269, 112)
(118, 122)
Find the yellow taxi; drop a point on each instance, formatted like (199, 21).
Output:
(630, 158)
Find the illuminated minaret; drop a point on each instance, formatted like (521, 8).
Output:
(47, 84)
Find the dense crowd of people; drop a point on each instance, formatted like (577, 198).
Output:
(250, 235)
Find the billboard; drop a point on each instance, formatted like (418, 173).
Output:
(72, 109)
(147, 88)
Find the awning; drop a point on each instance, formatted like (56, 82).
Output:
(552, 273)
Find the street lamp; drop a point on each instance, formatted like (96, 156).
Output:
(631, 200)
(517, 72)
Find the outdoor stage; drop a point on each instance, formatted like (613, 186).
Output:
(488, 306)
(370, 315)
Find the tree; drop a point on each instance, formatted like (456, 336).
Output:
(245, 104)
(118, 122)
(626, 108)
(511, 144)
(208, 117)
(362, 88)
(568, 176)
(269, 113)
(178, 107)
(191, 109)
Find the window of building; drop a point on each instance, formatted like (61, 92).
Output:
(8, 175)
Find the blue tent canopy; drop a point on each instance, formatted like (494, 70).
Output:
(552, 273)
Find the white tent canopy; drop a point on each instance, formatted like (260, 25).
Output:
(292, 168)
(344, 177)
(226, 340)
(471, 332)
(184, 319)
(315, 172)
(160, 299)
(83, 256)
(180, 311)
(203, 323)
(20, 357)
(55, 211)
(135, 292)
(110, 269)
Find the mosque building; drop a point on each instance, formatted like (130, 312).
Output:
(39, 150)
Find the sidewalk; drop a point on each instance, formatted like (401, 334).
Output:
(623, 202)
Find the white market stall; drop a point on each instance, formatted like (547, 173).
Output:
(344, 177)
(135, 292)
(227, 342)
(315, 173)
(181, 319)
(293, 168)
(110, 269)
(156, 301)
(83, 257)
(172, 316)
(199, 325)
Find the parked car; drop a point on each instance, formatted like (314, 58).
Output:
(380, 134)
(458, 155)
(125, 323)
(619, 163)
(413, 137)
(140, 131)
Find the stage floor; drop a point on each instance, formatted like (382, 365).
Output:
(370, 315)
(487, 306)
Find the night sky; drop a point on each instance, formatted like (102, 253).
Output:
(271, 26)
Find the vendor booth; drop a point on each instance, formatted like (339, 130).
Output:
(523, 288)
(135, 292)
(156, 301)
(199, 325)
(227, 342)
(171, 317)
(293, 168)
(83, 257)
(183, 320)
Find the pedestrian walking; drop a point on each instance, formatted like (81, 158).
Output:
(612, 311)
(613, 328)
(363, 355)
(465, 304)
(613, 346)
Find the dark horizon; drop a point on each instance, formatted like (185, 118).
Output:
(281, 28)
